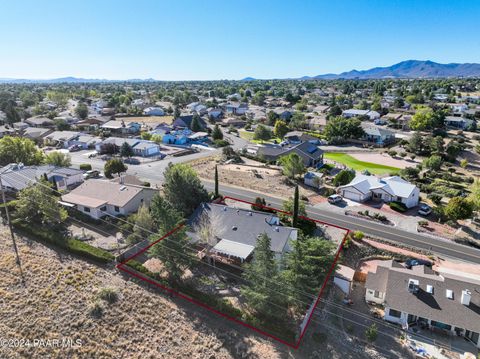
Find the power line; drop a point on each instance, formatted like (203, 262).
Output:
(310, 296)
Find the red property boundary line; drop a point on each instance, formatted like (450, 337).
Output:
(121, 266)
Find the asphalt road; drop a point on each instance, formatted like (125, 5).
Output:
(153, 172)
(441, 247)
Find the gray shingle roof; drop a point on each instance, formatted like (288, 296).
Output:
(393, 278)
(242, 226)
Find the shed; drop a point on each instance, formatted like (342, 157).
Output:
(343, 278)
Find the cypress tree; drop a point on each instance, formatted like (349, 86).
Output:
(295, 207)
(216, 182)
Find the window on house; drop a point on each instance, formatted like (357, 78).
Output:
(86, 209)
(376, 294)
(103, 209)
(116, 208)
(395, 313)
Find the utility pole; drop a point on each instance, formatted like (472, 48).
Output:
(7, 213)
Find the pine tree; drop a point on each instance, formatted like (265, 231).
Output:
(196, 126)
(262, 282)
(217, 133)
(172, 250)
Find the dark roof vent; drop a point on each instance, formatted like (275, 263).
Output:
(234, 228)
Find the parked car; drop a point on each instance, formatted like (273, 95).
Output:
(417, 262)
(75, 148)
(334, 198)
(91, 174)
(424, 210)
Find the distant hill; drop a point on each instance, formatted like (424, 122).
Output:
(410, 69)
(70, 80)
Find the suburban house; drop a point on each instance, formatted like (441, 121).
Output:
(215, 113)
(16, 176)
(121, 126)
(6, 130)
(236, 108)
(445, 302)
(235, 231)
(458, 122)
(99, 198)
(36, 133)
(176, 137)
(296, 137)
(198, 108)
(153, 111)
(61, 138)
(86, 141)
(353, 112)
(283, 113)
(317, 122)
(377, 136)
(140, 147)
(233, 121)
(185, 121)
(311, 155)
(388, 189)
(39, 121)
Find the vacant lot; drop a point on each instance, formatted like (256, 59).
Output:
(357, 165)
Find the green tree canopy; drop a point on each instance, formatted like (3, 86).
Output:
(37, 204)
(338, 129)
(183, 188)
(126, 150)
(307, 266)
(262, 133)
(114, 166)
(173, 249)
(263, 280)
(195, 125)
(292, 165)
(81, 110)
(433, 162)
(280, 129)
(19, 150)
(59, 159)
(217, 133)
(459, 208)
(343, 177)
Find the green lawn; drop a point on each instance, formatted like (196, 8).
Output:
(247, 135)
(357, 165)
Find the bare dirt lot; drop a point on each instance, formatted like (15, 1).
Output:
(60, 292)
(383, 159)
(252, 175)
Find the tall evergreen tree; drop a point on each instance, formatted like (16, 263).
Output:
(296, 199)
(262, 282)
(217, 133)
(216, 182)
(172, 250)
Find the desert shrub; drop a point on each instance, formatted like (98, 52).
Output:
(96, 309)
(398, 206)
(108, 294)
(85, 166)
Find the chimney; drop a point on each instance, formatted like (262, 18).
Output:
(466, 296)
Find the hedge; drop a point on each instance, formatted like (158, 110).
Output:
(70, 244)
(85, 166)
(398, 206)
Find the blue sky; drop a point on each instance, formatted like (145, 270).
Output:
(207, 39)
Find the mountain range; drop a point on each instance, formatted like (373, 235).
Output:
(404, 69)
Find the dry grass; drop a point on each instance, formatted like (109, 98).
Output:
(148, 119)
(65, 298)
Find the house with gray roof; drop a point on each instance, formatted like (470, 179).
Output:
(388, 189)
(235, 231)
(39, 121)
(441, 301)
(377, 136)
(460, 123)
(16, 176)
(311, 155)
